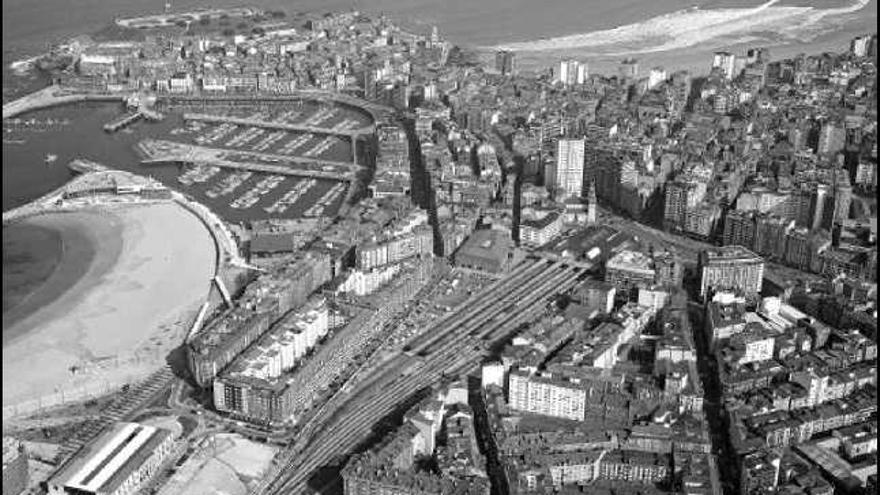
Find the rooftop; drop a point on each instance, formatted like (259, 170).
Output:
(633, 261)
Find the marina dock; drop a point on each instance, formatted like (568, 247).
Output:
(127, 120)
(53, 96)
(156, 152)
(218, 119)
(123, 122)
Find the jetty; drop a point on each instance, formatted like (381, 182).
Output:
(264, 124)
(155, 152)
(129, 119)
(53, 96)
(83, 166)
(122, 122)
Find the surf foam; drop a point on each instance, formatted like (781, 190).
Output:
(691, 27)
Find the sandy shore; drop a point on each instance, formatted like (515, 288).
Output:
(74, 239)
(149, 272)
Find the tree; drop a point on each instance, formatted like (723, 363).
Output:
(204, 21)
(228, 32)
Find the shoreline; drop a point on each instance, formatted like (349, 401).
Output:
(151, 271)
(88, 249)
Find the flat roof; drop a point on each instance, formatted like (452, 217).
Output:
(111, 459)
(729, 253)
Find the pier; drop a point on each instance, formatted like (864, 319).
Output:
(54, 96)
(157, 152)
(352, 134)
(127, 120)
(83, 166)
(123, 122)
(264, 124)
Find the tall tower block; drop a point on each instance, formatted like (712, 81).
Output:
(591, 203)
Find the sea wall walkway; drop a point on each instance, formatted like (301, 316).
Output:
(53, 96)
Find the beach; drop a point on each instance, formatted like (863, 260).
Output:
(127, 285)
(685, 39)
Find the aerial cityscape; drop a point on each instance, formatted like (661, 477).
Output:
(401, 247)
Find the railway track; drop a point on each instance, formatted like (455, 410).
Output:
(455, 344)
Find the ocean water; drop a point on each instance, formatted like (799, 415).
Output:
(30, 255)
(42, 259)
(485, 23)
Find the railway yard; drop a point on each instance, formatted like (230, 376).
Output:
(451, 345)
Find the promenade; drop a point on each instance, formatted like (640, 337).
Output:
(53, 96)
(375, 110)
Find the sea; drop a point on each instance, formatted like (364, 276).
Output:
(670, 33)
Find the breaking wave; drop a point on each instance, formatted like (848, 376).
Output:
(691, 27)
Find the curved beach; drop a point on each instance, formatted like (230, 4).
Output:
(127, 284)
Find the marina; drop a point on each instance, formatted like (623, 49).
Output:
(295, 144)
(252, 196)
(291, 197)
(198, 174)
(228, 184)
(231, 159)
(245, 137)
(269, 140)
(320, 207)
(17, 124)
(215, 134)
(321, 147)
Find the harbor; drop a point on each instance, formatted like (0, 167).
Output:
(213, 161)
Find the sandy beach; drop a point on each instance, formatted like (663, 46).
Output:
(112, 309)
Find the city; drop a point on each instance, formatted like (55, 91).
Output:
(419, 274)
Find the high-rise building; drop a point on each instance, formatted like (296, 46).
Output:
(668, 269)
(859, 46)
(591, 203)
(505, 62)
(770, 235)
(546, 396)
(629, 68)
(832, 138)
(572, 72)
(656, 77)
(731, 268)
(797, 248)
(726, 62)
(820, 198)
(567, 177)
(837, 211)
(739, 229)
(681, 196)
(757, 55)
